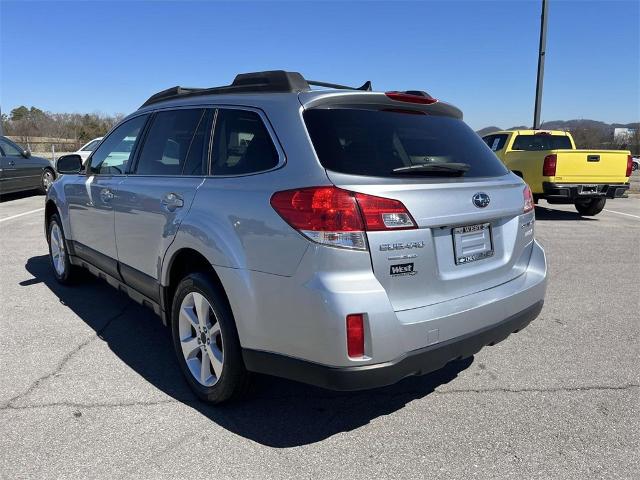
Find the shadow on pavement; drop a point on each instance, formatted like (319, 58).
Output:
(544, 213)
(279, 413)
(7, 197)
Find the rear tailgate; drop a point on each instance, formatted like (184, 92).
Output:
(591, 166)
(420, 267)
(456, 246)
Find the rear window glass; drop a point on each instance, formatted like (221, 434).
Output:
(496, 142)
(541, 142)
(375, 142)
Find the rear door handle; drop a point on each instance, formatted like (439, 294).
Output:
(172, 201)
(106, 195)
(11, 163)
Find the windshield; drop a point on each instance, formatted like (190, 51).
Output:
(91, 146)
(377, 142)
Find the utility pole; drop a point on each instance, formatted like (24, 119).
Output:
(541, 54)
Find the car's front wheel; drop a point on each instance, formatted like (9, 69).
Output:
(591, 207)
(634, 166)
(206, 341)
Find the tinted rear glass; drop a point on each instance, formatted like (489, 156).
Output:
(375, 142)
(541, 142)
(496, 142)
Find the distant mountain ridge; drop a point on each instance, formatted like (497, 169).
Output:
(605, 128)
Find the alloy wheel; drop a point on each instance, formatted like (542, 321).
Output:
(47, 180)
(58, 254)
(201, 339)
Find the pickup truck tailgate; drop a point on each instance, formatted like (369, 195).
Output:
(591, 166)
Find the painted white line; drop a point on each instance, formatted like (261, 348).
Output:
(21, 214)
(621, 213)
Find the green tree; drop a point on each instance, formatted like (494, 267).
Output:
(19, 113)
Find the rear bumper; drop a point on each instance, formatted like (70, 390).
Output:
(405, 343)
(417, 362)
(572, 192)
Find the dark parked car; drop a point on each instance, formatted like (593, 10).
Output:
(19, 171)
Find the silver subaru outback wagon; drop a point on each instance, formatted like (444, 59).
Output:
(335, 236)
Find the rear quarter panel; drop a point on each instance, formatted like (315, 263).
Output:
(529, 164)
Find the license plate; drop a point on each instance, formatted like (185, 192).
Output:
(588, 189)
(472, 242)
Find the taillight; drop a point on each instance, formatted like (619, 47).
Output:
(629, 166)
(339, 218)
(355, 335)
(549, 166)
(384, 213)
(410, 98)
(528, 199)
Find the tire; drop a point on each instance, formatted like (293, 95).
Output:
(591, 207)
(634, 167)
(202, 325)
(64, 272)
(48, 176)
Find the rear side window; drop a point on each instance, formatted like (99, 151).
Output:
(174, 144)
(241, 144)
(541, 142)
(113, 155)
(496, 142)
(375, 142)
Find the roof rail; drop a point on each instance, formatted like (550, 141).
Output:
(270, 81)
(365, 87)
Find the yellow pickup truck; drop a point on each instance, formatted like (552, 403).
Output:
(556, 171)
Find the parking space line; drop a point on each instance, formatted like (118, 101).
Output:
(622, 213)
(25, 213)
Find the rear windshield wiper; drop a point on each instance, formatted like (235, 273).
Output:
(439, 168)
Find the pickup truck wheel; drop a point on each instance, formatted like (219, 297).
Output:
(64, 272)
(206, 341)
(591, 207)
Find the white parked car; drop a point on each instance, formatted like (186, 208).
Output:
(85, 150)
(636, 163)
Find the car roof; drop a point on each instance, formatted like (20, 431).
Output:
(261, 89)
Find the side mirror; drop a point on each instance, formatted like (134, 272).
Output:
(26, 153)
(69, 164)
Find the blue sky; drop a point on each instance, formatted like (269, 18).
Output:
(480, 55)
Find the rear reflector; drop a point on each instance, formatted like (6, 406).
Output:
(409, 98)
(629, 166)
(549, 166)
(528, 199)
(355, 335)
(339, 218)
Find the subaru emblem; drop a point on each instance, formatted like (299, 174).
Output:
(481, 199)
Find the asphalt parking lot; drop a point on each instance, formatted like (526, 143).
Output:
(89, 387)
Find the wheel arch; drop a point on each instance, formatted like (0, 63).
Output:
(181, 263)
(50, 209)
